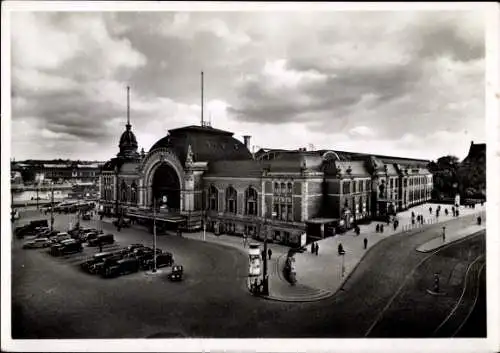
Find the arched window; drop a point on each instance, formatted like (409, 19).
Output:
(290, 188)
(231, 197)
(213, 198)
(124, 191)
(133, 193)
(283, 188)
(276, 187)
(251, 201)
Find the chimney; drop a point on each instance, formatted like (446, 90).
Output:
(246, 140)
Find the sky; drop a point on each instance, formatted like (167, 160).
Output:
(399, 83)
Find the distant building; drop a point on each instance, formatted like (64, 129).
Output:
(60, 171)
(202, 175)
(472, 172)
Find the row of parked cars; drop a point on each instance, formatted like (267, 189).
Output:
(132, 258)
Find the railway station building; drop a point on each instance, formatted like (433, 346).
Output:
(199, 176)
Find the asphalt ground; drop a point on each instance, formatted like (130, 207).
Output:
(52, 298)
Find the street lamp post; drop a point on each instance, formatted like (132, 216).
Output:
(51, 206)
(37, 186)
(154, 235)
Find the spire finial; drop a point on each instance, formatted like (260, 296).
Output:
(128, 107)
(202, 122)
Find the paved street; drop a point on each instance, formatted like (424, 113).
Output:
(53, 298)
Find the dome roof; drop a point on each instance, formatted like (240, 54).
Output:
(207, 144)
(128, 144)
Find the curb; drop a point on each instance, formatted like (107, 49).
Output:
(450, 242)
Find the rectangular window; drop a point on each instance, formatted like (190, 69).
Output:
(276, 210)
(346, 187)
(231, 206)
(289, 212)
(367, 184)
(283, 212)
(354, 186)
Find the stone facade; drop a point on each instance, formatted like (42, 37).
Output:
(275, 196)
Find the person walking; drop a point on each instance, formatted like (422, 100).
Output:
(269, 253)
(357, 230)
(430, 210)
(365, 242)
(377, 228)
(381, 228)
(340, 249)
(316, 249)
(446, 212)
(245, 240)
(444, 234)
(479, 220)
(313, 247)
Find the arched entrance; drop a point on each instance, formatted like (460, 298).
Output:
(166, 186)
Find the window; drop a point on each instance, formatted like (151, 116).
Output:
(133, 192)
(354, 186)
(283, 213)
(231, 198)
(251, 201)
(276, 188)
(289, 213)
(346, 187)
(367, 183)
(391, 183)
(283, 188)
(124, 192)
(290, 188)
(213, 196)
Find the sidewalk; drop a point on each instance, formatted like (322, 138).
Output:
(438, 242)
(328, 270)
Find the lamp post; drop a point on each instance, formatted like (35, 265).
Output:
(154, 235)
(265, 282)
(37, 186)
(51, 206)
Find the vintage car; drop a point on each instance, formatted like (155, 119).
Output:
(59, 238)
(101, 240)
(96, 258)
(86, 216)
(131, 248)
(99, 267)
(162, 260)
(121, 267)
(37, 243)
(176, 273)
(65, 247)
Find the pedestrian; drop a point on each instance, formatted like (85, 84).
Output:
(270, 253)
(456, 212)
(341, 249)
(245, 240)
(446, 212)
(365, 242)
(381, 228)
(430, 210)
(312, 248)
(317, 249)
(479, 220)
(358, 230)
(412, 214)
(377, 228)
(413, 221)
(444, 234)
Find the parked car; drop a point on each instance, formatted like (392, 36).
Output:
(177, 273)
(86, 236)
(96, 258)
(102, 240)
(165, 259)
(86, 216)
(59, 238)
(37, 243)
(99, 267)
(69, 246)
(130, 248)
(120, 267)
(140, 253)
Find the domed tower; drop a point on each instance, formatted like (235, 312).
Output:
(128, 142)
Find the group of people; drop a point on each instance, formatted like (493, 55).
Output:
(419, 218)
(269, 253)
(314, 248)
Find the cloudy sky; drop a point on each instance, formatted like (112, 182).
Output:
(401, 83)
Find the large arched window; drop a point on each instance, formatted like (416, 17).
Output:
(251, 201)
(213, 198)
(231, 197)
(133, 193)
(124, 191)
(283, 188)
